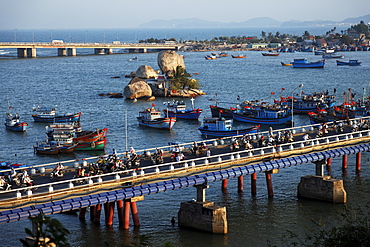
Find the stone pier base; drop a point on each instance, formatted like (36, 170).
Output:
(204, 216)
(322, 188)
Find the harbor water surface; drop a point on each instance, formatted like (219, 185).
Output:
(73, 84)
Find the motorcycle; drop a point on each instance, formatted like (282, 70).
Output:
(56, 173)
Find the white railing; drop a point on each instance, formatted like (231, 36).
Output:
(132, 175)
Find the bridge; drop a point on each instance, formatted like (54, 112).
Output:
(28, 49)
(126, 187)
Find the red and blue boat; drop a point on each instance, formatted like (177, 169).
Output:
(222, 127)
(13, 123)
(176, 109)
(264, 114)
(48, 115)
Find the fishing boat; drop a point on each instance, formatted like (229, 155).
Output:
(272, 54)
(308, 102)
(53, 147)
(13, 123)
(264, 114)
(210, 57)
(303, 63)
(286, 64)
(177, 109)
(92, 146)
(152, 118)
(351, 62)
(221, 127)
(239, 56)
(332, 55)
(48, 115)
(223, 54)
(218, 111)
(88, 136)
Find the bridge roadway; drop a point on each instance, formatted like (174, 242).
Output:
(28, 49)
(64, 195)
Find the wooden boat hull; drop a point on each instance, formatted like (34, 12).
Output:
(318, 64)
(270, 54)
(66, 149)
(233, 56)
(286, 64)
(90, 136)
(224, 133)
(19, 127)
(159, 123)
(58, 118)
(250, 119)
(187, 114)
(350, 63)
(46, 150)
(92, 146)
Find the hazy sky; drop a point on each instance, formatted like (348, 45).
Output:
(76, 14)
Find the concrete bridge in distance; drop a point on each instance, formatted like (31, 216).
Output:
(28, 49)
(125, 188)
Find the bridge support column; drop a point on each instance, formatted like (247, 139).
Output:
(108, 51)
(201, 192)
(240, 184)
(82, 213)
(320, 167)
(126, 215)
(92, 213)
(143, 50)
(21, 52)
(328, 162)
(345, 161)
(97, 214)
(135, 214)
(31, 52)
(254, 184)
(110, 213)
(270, 190)
(224, 184)
(71, 51)
(120, 209)
(62, 52)
(358, 161)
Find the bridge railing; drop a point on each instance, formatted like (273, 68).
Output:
(133, 175)
(42, 168)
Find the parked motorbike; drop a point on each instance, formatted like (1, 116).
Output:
(56, 173)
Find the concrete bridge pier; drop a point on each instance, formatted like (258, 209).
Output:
(82, 213)
(344, 161)
(143, 50)
(202, 215)
(97, 214)
(254, 184)
(26, 52)
(98, 51)
(240, 183)
(224, 184)
(71, 51)
(62, 52)
(31, 52)
(358, 162)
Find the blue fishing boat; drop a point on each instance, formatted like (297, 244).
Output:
(177, 109)
(351, 62)
(222, 127)
(13, 123)
(152, 118)
(264, 114)
(303, 63)
(308, 102)
(218, 111)
(48, 115)
(332, 55)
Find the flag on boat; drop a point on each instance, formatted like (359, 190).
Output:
(153, 104)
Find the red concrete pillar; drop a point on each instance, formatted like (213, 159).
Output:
(358, 161)
(254, 184)
(109, 219)
(82, 213)
(328, 162)
(126, 215)
(92, 212)
(269, 184)
(106, 210)
(97, 214)
(344, 161)
(240, 184)
(120, 212)
(224, 184)
(135, 214)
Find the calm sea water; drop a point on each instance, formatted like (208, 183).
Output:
(73, 84)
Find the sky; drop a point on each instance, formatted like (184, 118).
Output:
(77, 14)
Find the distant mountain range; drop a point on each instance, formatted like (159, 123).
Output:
(255, 22)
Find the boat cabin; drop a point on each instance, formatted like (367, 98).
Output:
(215, 123)
(150, 114)
(176, 106)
